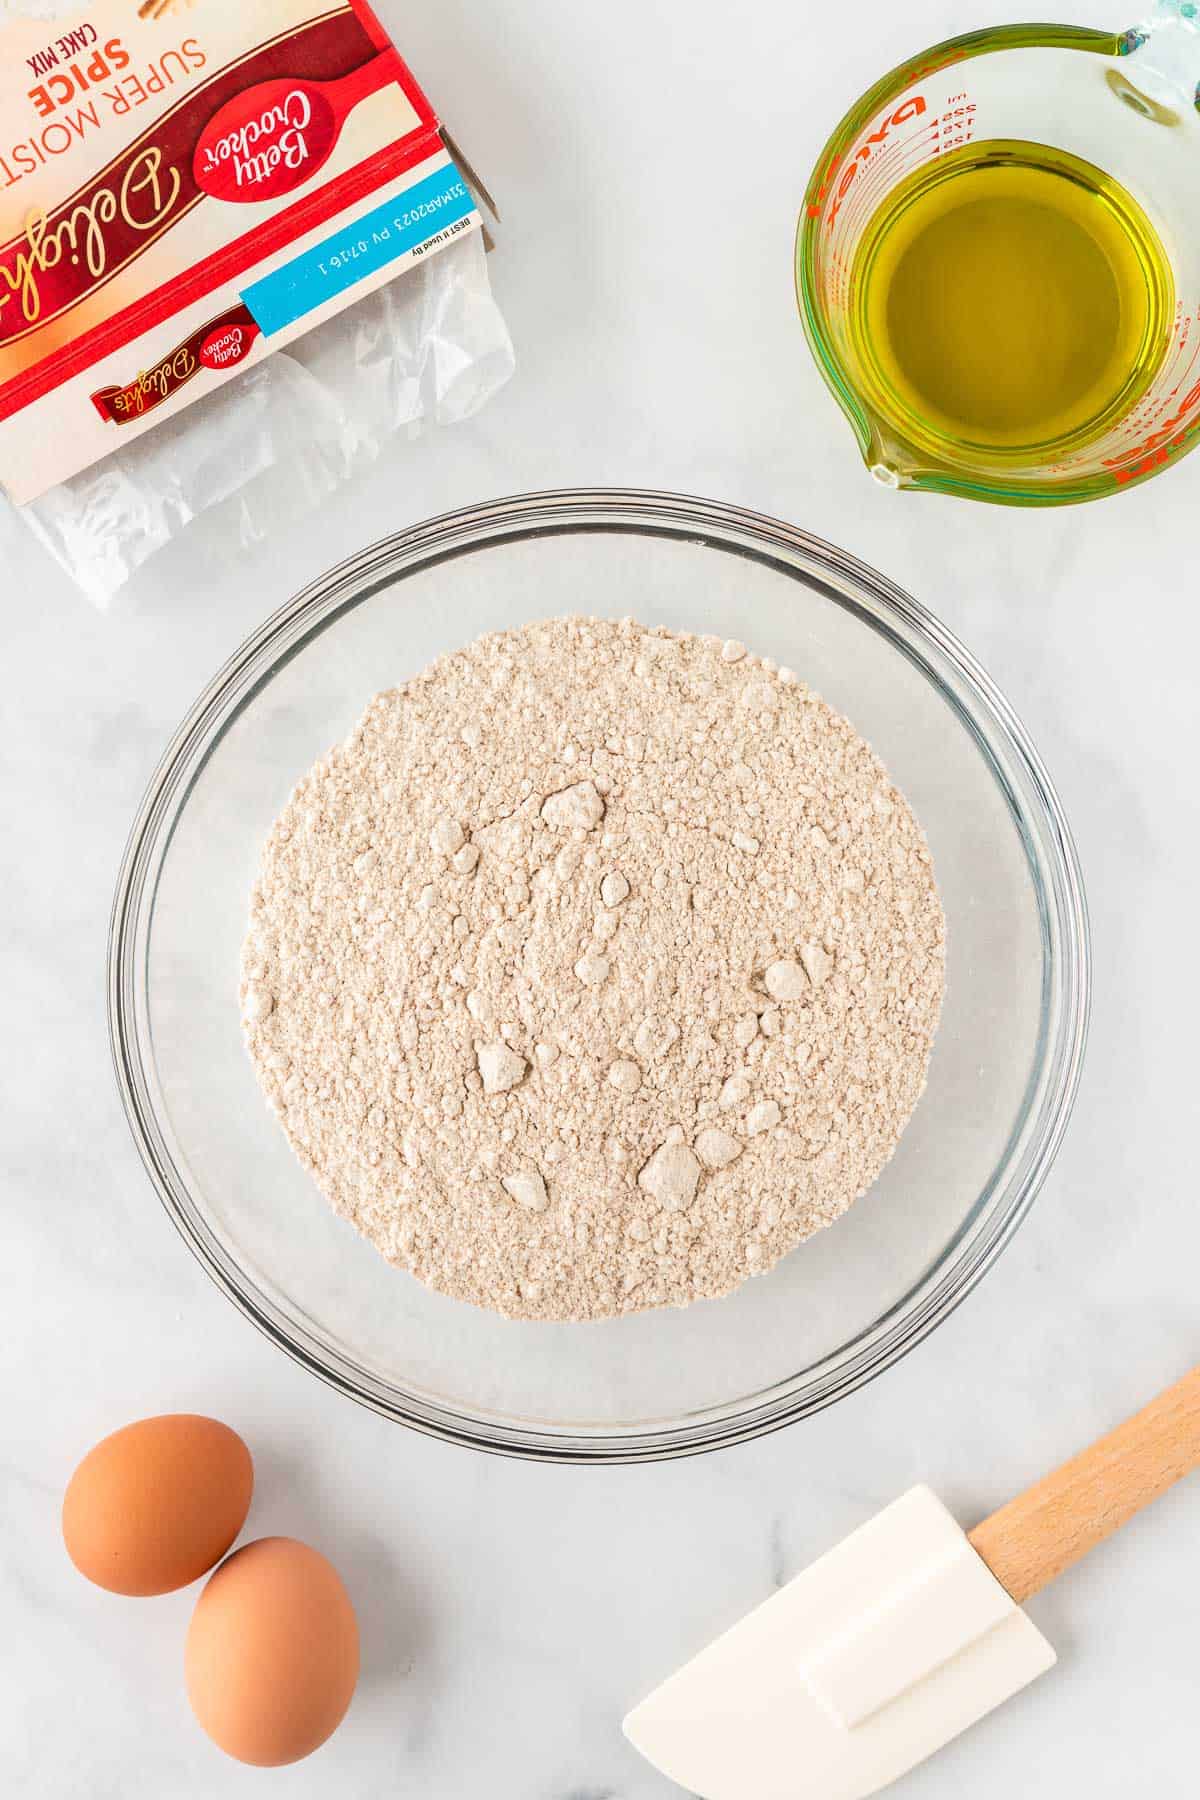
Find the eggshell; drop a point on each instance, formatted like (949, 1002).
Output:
(155, 1505)
(272, 1652)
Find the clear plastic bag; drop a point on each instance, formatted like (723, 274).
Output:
(430, 346)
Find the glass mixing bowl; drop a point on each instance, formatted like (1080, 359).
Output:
(839, 1309)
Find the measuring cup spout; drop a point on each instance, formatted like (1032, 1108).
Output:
(1164, 56)
(889, 462)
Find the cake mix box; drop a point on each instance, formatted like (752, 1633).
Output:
(186, 186)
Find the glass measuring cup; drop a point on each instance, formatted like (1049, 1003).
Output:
(1129, 105)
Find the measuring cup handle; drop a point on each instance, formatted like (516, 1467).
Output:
(1165, 52)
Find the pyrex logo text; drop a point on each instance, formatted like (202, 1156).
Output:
(911, 108)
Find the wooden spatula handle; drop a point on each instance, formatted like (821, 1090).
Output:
(1050, 1526)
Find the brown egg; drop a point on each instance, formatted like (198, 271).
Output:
(272, 1652)
(155, 1505)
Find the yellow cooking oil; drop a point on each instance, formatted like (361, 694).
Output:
(1008, 299)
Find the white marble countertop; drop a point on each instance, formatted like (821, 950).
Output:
(650, 160)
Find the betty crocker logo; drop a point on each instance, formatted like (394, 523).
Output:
(276, 136)
(226, 347)
(220, 344)
(275, 146)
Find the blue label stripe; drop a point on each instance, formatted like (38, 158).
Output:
(359, 250)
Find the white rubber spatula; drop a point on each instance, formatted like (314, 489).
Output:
(907, 1633)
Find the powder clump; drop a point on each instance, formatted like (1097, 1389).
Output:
(556, 907)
